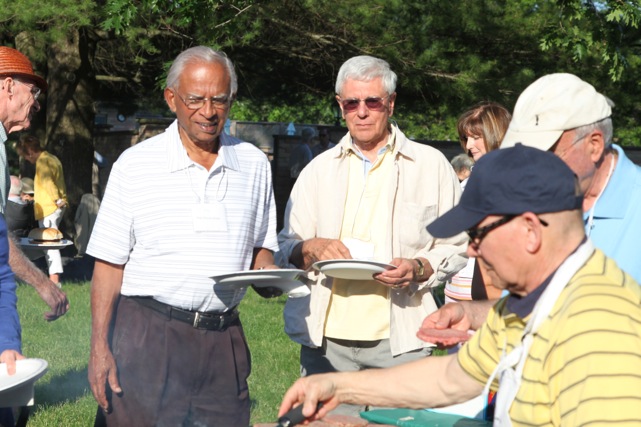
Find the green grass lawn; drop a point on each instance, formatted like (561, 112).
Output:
(63, 397)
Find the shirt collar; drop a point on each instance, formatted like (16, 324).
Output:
(611, 204)
(3, 134)
(177, 158)
(389, 145)
(523, 306)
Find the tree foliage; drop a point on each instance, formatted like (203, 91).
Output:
(448, 54)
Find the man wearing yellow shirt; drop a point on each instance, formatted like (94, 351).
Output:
(563, 349)
(50, 194)
(369, 197)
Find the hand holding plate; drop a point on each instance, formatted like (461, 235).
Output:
(399, 277)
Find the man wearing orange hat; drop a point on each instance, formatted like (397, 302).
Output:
(19, 91)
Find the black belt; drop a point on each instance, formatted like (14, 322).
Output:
(197, 319)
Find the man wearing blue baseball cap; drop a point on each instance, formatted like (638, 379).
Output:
(543, 346)
(565, 115)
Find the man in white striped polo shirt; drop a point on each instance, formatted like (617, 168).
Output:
(179, 208)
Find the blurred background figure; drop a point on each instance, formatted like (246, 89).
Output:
(324, 143)
(27, 189)
(19, 213)
(98, 178)
(462, 165)
(482, 127)
(481, 130)
(302, 153)
(86, 215)
(50, 199)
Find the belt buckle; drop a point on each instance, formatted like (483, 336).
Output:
(198, 316)
(196, 320)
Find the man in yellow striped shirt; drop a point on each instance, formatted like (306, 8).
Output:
(564, 349)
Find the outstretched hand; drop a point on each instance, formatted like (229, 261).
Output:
(446, 327)
(316, 393)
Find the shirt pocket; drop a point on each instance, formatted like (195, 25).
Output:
(413, 220)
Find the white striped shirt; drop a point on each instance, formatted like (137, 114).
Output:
(145, 220)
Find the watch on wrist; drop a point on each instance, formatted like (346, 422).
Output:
(420, 270)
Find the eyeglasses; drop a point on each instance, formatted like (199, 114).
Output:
(35, 90)
(374, 103)
(477, 234)
(198, 102)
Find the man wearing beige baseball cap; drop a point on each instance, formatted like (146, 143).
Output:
(565, 115)
(20, 88)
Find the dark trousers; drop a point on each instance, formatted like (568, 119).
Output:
(174, 375)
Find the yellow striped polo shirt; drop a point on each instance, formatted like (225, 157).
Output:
(584, 366)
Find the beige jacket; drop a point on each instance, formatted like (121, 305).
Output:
(424, 187)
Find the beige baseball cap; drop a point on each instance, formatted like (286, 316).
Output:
(553, 104)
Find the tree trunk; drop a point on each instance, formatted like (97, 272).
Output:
(70, 115)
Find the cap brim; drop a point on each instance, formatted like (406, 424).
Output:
(454, 221)
(541, 140)
(39, 81)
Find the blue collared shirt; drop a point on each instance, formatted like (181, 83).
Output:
(616, 228)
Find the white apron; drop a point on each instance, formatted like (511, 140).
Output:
(510, 367)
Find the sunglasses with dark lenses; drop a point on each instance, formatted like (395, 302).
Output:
(477, 234)
(373, 103)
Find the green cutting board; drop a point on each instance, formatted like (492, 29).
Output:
(420, 418)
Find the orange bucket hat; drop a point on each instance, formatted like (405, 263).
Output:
(14, 63)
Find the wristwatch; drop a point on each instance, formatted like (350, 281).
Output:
(418, 273)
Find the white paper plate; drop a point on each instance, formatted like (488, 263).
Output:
(25, 243)
(17, 389)
(26, 370)
(286, 280)
(351, 269)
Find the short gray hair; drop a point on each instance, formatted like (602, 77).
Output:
(365, 68)
(462, 162)
(604, 125)
(201, 54)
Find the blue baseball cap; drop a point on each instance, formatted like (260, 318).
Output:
(511, 181)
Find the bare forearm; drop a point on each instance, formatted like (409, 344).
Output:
(105, 291)
(427, 383)
(32, 275)
(24, 269)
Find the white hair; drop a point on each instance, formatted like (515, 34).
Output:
(365, 68)
(201, 54)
